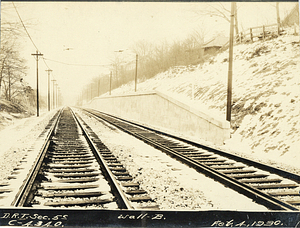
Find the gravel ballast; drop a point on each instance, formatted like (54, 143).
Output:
(173, 185)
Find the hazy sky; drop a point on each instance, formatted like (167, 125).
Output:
(94, 30)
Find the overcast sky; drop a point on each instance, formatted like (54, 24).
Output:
(88, 33)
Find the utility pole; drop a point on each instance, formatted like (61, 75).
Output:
(229, 85)
(58, 96)
(37, 54)
(91, 91)
(99, 84)
(110, 83)
(56, 92)
(53, 93)
(136, 66)
(49, 88)
(86, 94)
(117, 80)
(9, 86)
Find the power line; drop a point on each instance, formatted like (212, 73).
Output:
(25, 27)
(28, 33)
(76, 64)
(46, 64)
(103, 65)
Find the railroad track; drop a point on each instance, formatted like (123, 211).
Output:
(272, 187)
(75, 169)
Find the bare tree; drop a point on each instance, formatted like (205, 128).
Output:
(160, 52)
(277, 13)
(153, 59)
(276, 5)
(10, 29)
(143, 48)
(12, 66)
(12, 72)
(219, 10)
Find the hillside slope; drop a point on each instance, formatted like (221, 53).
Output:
(10, 111)
(266, 95)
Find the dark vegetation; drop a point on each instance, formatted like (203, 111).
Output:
(15, 94)
(152, 59)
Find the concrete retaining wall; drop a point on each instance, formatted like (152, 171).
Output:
(160, 111)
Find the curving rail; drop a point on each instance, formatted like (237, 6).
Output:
(276, 189)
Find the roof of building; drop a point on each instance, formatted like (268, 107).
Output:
(218, 41)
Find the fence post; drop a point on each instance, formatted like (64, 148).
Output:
(251, 35)
(263, 33)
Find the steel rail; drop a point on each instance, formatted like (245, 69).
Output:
(124, 200)
(24, 190)
(249, 191)
(280, 172)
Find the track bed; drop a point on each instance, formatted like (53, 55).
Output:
(269, 186)
(76, 169)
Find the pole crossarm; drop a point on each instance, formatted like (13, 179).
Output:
(36, 55)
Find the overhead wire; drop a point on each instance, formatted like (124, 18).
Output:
(77, 64)
(44, 59)
(46, 64)
(28, 32)
(25, 27)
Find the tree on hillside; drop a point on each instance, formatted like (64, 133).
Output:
(12, 66)
(145, 51)
(160, 53)
(276, 10)
(29, 97)
(175, 53)
(154, 59)
(115, 69)
(277, 13)
(12, 69)
(192, 46)
(221, 11)
(12, 73)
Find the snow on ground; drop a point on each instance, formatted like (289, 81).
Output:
(10, 112)
(266, 96)
(265, 115)
(173, 185)
(17, 138)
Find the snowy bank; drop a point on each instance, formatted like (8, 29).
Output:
(266, 110)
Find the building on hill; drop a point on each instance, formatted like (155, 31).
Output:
(214, 44)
